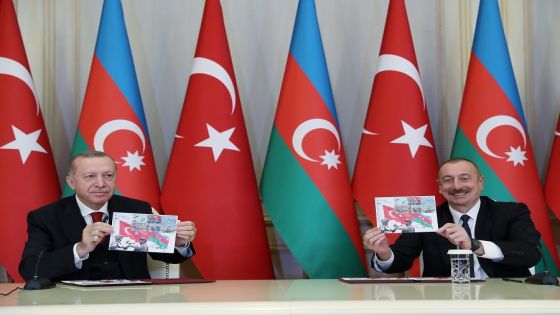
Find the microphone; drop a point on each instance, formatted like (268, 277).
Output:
(544, 277)
(38, 283)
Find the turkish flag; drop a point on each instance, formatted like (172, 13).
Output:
(210, 177)
(552, 183)
(396, 156)
(26, 161)
(391, 214)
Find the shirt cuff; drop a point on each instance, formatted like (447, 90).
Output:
(382, 265)
(492, 251)
(77, 259)
(185, 250)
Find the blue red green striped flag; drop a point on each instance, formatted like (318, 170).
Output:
(492, 130)
(112, 118)
(305, 185)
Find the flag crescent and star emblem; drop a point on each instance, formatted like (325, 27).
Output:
(413, 137)
(115, 125)
(132, 160)
(330, 158)
(218, 141)
(516, 155)
(25, 143)
(16, 69)
(388, 62)
(392, 214)
(209, 67)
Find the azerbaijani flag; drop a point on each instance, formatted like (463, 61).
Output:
(492, 130)
(305, 185)
(112, 118)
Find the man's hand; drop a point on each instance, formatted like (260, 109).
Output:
(375, 240)
(456, 234)
(186, 232)
(92, 235)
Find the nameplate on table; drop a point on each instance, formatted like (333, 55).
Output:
(104, 283)
(123, 282)
(402, 280)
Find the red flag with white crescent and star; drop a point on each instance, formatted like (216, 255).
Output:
(396, 156)
(26, 161)
(210, 177)
(552, 183)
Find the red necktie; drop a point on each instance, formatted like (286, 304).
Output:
(96, 216)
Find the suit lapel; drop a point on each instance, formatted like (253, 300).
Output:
(112, 207)
(444, 216)
(483, 231)
(74, 222)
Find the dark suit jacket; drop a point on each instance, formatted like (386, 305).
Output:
(55, 228)
(507, 224)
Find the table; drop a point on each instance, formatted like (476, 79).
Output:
(494, 296)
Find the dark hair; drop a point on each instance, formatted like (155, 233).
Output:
(461, 159)
(85, 155)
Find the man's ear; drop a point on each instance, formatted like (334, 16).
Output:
(439, 186)
(70, 182)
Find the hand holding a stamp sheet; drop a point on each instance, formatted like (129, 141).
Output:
(403, 214)
(186, 232)
(375, 240)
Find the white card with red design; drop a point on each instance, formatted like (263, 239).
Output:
(406, 214)
(136, 232)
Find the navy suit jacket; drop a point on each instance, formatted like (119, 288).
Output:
(55, 228)
(507, 224)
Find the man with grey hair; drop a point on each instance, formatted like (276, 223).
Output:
(69, 235)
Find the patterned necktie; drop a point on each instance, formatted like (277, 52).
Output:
(465, 218)
(96, 216)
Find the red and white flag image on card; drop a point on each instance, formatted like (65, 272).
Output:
(210, 177)
(26, 161)
(396, 156)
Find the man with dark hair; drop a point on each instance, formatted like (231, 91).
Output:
(501, 235)
(68, 235)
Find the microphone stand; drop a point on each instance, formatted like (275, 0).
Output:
(544, 277)
(38, 283)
